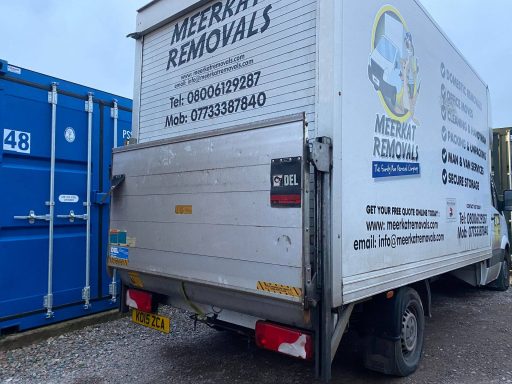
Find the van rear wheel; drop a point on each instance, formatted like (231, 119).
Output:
(395, 332)
(412, 325)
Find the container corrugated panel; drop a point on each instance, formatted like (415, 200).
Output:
(25, 178)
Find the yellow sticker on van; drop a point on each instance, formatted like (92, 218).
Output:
(280, 289)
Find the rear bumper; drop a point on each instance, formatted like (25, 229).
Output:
(197, 296)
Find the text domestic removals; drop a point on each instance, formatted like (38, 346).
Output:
(228, 29)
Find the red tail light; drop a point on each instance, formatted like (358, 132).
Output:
(284, 340)
(139, 300)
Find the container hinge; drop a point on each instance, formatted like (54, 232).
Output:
(308, 274)
(320, 153)
(116, 181)
(89, 105)
(52, 95)
(114, 111)
(311, 297)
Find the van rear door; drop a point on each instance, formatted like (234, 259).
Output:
(223, 209)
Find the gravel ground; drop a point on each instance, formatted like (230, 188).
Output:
(468, 340)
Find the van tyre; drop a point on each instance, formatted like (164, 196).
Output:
(394, 333)
(409, 347)
(502, 283)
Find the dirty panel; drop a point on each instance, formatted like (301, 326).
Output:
(200, 210)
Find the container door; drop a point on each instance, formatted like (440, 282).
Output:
(25, 185)
(42, 271)
(74, 266)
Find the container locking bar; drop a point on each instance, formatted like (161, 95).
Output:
(32, 217)
(86, 291)
(114, 114)
(72, 216)
(48, 299)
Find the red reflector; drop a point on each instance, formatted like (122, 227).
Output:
(284, 340)
(285, 199)
(139, 300)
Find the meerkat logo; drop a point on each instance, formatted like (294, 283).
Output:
(393, 67)
(277, 180)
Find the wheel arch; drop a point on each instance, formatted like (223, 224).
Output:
(505, 245)
(423, 289)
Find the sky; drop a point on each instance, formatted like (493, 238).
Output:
(85, 41)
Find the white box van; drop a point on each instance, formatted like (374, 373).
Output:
(280, 183)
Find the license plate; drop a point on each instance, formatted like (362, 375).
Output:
(376, 80)
(150, 320)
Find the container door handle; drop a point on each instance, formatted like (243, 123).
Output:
(72, 216)
(32, 217)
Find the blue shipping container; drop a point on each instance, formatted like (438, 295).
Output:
(50, 270)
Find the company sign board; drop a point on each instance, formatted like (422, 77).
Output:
(227, 63)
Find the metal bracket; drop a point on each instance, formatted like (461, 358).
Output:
(321, 154)
(52, 95)
(116, 181)
(308, 274)
(86, 296)
(100, 197)
(112, 290)
(89, 105)
(48, 304)
(340, 328)
(135, 35)
(114, 111)
(311, 298)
